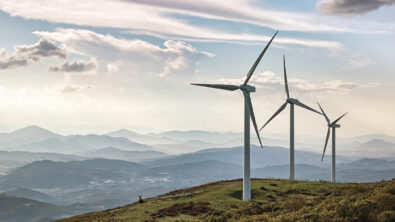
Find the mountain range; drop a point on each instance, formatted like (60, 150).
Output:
(50, 176)
(15, 209)
(80, 173)
(118, 154)
(80, 143)
(37, 139)
(259, 157)
(26, 135)
(47, 174)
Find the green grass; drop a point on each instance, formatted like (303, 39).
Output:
(272, 200)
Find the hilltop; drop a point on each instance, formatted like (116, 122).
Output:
(273, 200)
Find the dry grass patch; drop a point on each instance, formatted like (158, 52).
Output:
(187, 208)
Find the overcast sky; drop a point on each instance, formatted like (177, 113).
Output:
(94, 66)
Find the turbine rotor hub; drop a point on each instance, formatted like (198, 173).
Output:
(247, 88)
(292, 100)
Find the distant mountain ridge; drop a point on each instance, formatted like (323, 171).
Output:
(80, 143)
(37, 139)
(187, 169)
(30, 194)
(369, 163)
(15, 209)
(26, 135)
(374, 148)
(367, 137)
(47, 174)
(134, 156)
(259, 157)
(142, 138)
(26, 156)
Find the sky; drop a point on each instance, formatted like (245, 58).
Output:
(95, 66)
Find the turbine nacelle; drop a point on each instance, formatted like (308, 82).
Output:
(292, 100)
(334, 125)
(247, 88)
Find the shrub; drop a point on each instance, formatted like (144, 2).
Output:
(188, 208)
(294, 202)
(386, 216)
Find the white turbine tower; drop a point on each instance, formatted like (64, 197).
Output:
(291, 102)
(332, 125)
(248, 112)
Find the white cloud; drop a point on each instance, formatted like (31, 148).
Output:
(139, 56)
(158, 18)
(358, 60)
(270, 80)
(73, 88)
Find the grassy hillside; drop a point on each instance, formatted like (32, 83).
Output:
(273, 200)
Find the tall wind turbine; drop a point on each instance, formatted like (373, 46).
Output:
(248, 112)
(291, 102)
(332, 125)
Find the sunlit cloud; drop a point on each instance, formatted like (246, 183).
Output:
(176, 57)
(275, 82)
(157, 18)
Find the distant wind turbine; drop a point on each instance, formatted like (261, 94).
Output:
(248, 112)
(332, 125)
(291, 102)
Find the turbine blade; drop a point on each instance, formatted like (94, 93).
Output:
(218, 86)
(334, 122)
(326, 142)
(275, 114)
(258, 60)
(326, 117)
(285, 78)
(298, 103)
(248, 100)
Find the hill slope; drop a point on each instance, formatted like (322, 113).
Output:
(259, 157)
(273, 200)
(118, 154)
(48, 174)
(21, 209)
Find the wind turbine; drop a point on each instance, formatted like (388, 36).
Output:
(248, 112)
(332, 125)
(291, 102)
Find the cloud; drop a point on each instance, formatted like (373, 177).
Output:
(351, 7)
(76, 66)
(358, 60)
(272, 81)
(24, 55)
(161, 19)
(138, 56)
(72, 88)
